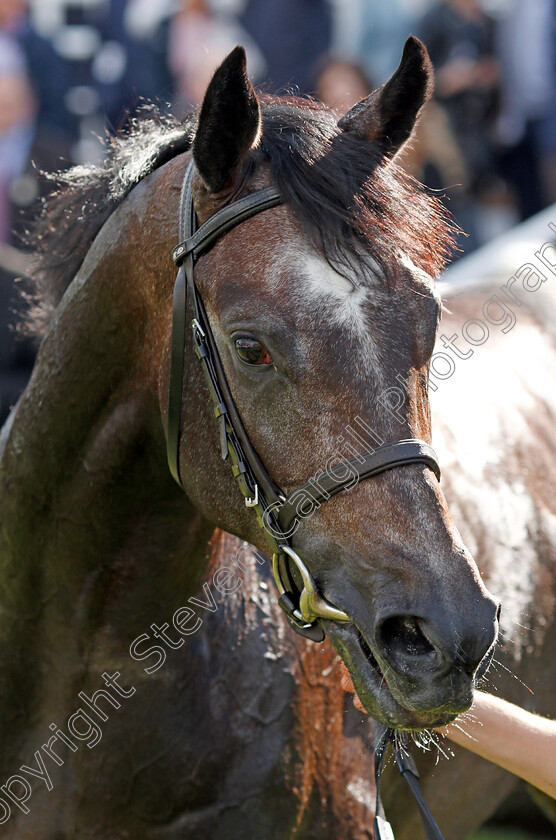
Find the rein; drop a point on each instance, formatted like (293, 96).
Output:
(383, 736)
(276, 513)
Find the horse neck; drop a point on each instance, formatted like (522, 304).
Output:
(91, 517)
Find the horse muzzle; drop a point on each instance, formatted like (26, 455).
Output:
(417, 671)
(412, 670)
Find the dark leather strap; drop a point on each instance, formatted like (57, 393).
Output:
(382, 737)
(177, 366)
(177, 347)
(385, 457)
(250, 459)
(193, 243)
(223, 221)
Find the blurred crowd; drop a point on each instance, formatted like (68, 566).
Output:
(71, 68)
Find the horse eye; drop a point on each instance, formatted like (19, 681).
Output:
(252, 352)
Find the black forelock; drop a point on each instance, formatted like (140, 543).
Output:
(349, 201)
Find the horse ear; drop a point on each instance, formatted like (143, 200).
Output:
(388, 115)
(229, 124)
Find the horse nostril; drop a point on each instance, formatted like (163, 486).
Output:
(412, 645)
(402, 640)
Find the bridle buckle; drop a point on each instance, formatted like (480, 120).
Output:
(255, 500)
(198, 328)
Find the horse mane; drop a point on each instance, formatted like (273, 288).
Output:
(352, 205)
(83, 198)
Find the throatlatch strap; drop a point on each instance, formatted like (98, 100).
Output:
(382, 737)
(177, 348)
(177, 365)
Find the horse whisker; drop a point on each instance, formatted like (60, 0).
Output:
(515, 677)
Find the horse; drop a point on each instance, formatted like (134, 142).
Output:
(152, 686)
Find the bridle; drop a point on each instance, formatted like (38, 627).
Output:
(276, 513)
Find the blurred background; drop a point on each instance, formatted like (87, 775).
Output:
(70, 69)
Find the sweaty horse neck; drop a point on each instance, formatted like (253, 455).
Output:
(95, 539)
(86, 448)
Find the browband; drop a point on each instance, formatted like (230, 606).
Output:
(224, 220)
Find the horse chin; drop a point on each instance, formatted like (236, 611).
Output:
(372, 686)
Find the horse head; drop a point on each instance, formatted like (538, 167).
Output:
(324, 314)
